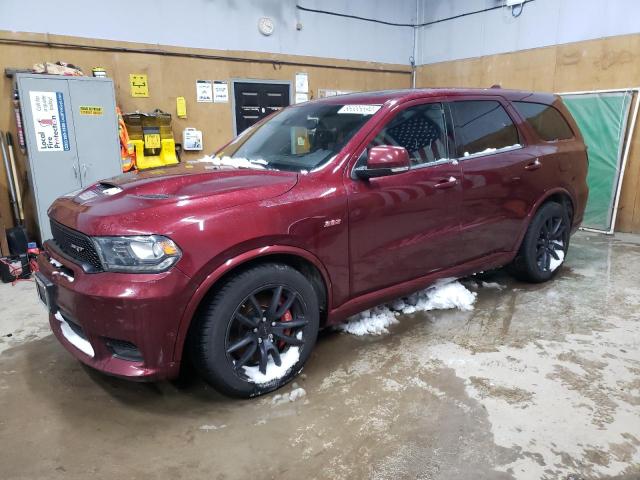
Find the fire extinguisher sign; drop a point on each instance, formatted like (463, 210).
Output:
(49, 121)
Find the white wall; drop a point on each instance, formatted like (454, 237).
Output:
(227, 24)
(542, 23)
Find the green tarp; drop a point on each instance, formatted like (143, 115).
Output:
(602, 119)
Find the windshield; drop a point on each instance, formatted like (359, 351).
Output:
(299, 138)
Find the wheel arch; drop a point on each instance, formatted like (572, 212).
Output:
(302, 260)
(559, 195)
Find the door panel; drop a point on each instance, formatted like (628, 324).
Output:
(403, 226)
(96, 133)
(254, 101)
(406, 226)
(496, 177)
(497, 197)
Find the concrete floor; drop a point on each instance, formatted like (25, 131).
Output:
(537, 382)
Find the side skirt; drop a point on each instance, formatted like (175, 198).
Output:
(371, 299)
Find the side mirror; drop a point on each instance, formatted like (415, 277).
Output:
(384, 160)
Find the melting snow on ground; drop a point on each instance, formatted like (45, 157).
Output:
(209, 428)
(444, 294)
(287, 360)
(590, 414)
(494, 285)
(296, 393)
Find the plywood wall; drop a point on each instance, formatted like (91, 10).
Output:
(591, 65)
(173, 76)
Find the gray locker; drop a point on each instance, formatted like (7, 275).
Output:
(71, 130)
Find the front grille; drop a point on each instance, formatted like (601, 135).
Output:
(76, 246)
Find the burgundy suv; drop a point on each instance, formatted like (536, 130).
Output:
(318, 212)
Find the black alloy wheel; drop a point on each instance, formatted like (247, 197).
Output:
(256, 330)
(264, 326)
(544, 247)
(550, 244)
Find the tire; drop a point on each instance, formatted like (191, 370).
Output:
(549, 232)
(261, 316)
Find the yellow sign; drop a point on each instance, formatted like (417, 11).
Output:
(152, 140)
(88, 110)
(181, 107)
(139, 85)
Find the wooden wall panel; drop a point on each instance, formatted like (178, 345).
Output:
(173, 76)
(601, 64)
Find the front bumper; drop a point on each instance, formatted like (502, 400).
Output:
(107, 309)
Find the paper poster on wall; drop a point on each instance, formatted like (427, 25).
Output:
(301, 97)
(191, 139)
(139, 85)
(204, 91)
(220, 92)
(49, 121)
(302, 83)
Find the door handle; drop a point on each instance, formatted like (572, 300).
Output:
(447, 183)
(75, 171)
(535, 165)
(84, 171)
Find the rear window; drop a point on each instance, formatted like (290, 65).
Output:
(548, 122)
(482, 126)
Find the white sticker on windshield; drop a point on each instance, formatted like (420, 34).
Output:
(360, 109)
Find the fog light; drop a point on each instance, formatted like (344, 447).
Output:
(124, 350)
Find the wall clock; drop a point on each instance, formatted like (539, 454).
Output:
(265, 25)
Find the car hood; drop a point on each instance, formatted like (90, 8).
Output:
(141, 201)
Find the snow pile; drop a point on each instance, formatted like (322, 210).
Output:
(494, 285)
(55, 263)
(234, 162)
(111, 191)
(553, 264)
(287, 360)
(370, 322)
(441, 297)
(296, 394)
(76, 340)
(444, 294)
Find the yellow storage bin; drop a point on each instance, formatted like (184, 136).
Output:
(152, 138)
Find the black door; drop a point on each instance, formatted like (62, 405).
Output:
(257, 100)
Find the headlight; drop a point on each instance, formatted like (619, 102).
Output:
(148, 254)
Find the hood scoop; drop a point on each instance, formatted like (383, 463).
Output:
(97, 190)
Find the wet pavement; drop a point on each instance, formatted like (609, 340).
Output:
(538, 381)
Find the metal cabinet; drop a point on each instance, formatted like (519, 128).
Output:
(71, 131)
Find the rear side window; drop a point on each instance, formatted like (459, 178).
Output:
(548, 122)
(482, 126)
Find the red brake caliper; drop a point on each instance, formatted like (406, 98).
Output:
(287, 317)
